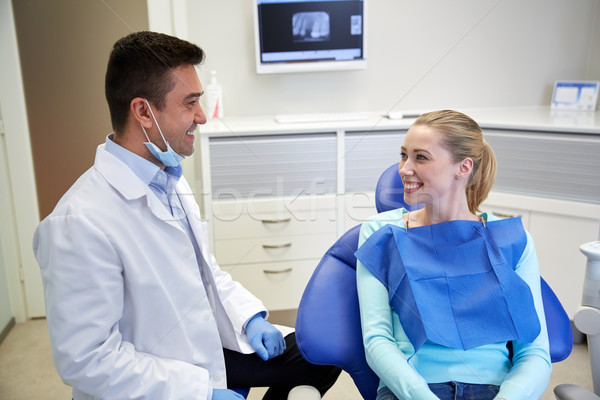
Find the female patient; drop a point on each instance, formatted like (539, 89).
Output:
(443, 290)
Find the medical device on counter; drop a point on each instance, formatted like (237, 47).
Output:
(587, 317)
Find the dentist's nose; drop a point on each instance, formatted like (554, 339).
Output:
(200, 117)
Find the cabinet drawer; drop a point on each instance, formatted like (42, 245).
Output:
(273, 165)
(559, 166)
(278, 284)
(260, 225)
(367, 155)
(275, 248)
(358, 207)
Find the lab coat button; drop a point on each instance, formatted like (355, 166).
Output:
(206, 316)
(217, 376)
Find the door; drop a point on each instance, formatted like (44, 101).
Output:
(9, 259)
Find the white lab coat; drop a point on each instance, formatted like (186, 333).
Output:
(127, 311)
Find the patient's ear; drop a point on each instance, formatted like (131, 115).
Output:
(465, 168)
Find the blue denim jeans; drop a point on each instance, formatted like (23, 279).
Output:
(451, 391)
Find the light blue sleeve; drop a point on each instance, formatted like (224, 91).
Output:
(386, 353)
(530, 373)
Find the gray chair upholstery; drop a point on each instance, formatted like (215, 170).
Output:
(573, 392)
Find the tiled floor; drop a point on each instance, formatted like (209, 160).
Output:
(27, 373)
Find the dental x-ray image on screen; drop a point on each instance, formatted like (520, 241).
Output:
(311, 26)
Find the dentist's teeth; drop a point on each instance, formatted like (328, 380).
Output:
(190, 133)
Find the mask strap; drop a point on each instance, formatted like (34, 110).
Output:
(147, 138)
(156, 122)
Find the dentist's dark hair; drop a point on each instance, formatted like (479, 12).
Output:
(463, 138)
(140, 65)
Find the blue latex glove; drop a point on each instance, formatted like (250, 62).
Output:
(266, 340)
(226, 394)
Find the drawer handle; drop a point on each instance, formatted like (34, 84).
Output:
(502, 215)
(276, 246)
(275, 221)
(273, 271)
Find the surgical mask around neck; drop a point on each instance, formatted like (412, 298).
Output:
(169, 158)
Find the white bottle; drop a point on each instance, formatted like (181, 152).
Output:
(214, 97)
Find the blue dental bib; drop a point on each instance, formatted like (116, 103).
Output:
(454, 283)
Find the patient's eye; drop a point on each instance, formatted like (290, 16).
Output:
(403, 155)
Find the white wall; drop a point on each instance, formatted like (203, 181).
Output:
(593, 72)
(25, 301)
(421, 55)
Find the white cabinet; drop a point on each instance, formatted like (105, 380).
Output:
(551, 165)
(272, 245)
(357, 208)
(278, 196)
(270, 201)
(506, 212)
(557, 238)
(551, 180)
(366, 155)
(278, 284)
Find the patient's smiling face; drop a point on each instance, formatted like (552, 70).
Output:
(427, 168)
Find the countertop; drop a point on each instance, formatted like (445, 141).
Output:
(535, 118)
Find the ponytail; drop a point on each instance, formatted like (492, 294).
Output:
(482, 178)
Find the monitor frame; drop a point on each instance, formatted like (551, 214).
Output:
(307, 65)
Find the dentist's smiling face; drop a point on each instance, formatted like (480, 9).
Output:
(182, 112)
(427, 168)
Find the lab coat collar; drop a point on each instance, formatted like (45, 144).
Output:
(127, 183)
(118, 174)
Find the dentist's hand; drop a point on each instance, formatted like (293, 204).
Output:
(266, 340)
(226, 394)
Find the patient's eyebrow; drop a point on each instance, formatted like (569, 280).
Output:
(421, 151)
(414, 150)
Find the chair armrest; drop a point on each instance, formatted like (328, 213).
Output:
(573, 392)
(560, 332)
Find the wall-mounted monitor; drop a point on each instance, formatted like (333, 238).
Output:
(309, 35)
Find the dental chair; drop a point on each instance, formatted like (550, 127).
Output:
(587, 321)
(328, 328)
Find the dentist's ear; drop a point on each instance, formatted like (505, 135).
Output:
(140, 111)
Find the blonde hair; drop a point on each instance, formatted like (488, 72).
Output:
(463, 138)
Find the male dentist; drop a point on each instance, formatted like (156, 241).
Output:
(137, 308)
